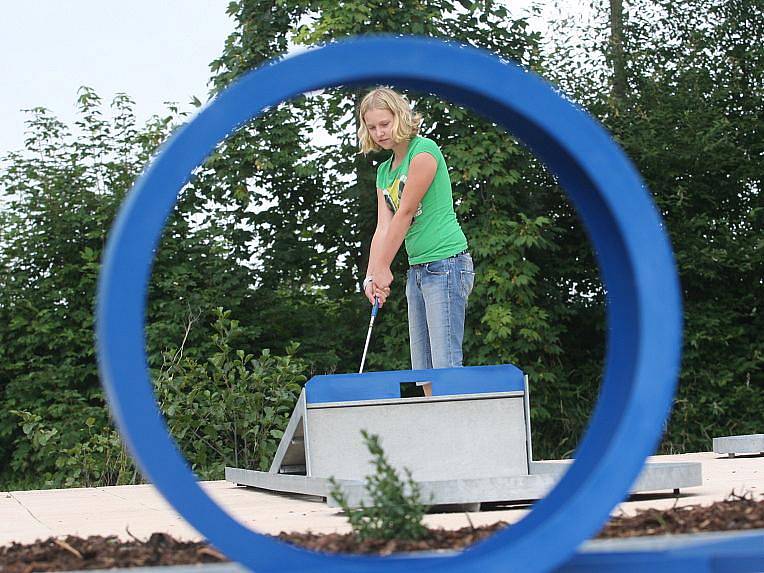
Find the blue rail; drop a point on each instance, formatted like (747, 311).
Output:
(445, 382)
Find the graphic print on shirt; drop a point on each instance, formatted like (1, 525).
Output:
(394, 194)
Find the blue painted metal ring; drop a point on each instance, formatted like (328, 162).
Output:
(644, 308)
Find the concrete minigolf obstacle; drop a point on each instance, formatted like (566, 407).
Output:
(467, 444)
(736, 445)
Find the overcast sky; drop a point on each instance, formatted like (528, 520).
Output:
(153, 50)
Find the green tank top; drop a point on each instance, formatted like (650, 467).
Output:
(434, 233)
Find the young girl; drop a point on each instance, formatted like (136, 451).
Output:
(415, 203)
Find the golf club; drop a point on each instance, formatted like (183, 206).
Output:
(374, 310)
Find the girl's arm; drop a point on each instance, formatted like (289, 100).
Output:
(421, 173)
(384, 216)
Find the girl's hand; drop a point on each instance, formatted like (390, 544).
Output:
(381, 295)
(381, 283)
(383, 278)
(369, 292)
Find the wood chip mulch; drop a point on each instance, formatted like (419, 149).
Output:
(97, 552)
(436, 540)
(71, 553)
(736, 512)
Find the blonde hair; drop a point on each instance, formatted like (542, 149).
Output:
(405, 121)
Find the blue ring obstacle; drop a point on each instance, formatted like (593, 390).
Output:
(636, 263)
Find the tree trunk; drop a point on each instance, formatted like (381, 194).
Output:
(616, 51)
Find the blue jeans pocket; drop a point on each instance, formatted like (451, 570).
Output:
(438, 267)
(467, 281)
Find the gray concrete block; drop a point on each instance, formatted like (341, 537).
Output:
(279, 482)
(655, 476)
(665, 542)
(195, 568)
(464, 491)
(746, 444)
(467, 436)
(461, 449)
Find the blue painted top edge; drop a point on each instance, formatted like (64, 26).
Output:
(445, 382)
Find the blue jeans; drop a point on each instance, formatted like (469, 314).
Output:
(437, 294)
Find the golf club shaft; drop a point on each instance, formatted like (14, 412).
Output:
(374, 310)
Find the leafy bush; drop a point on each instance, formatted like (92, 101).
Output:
(232, 409)
(99, 459)
(396, 511)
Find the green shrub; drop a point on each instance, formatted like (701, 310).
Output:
(396, 511)
(231, 410)
(98, 459)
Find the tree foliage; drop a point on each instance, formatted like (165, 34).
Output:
(60, 198)
(691, 118)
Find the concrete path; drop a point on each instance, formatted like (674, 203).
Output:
(139, 510)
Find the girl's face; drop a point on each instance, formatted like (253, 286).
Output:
(379, 122)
